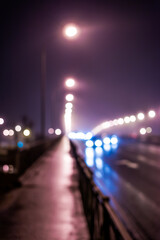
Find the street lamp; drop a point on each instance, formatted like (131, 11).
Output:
(69, 97)
(70, 82)
(1, 121)
(71, 31)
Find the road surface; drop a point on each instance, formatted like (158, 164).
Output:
(130, 174)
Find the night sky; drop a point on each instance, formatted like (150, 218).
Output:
(115, 60)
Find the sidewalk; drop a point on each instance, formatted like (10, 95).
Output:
(48, 205)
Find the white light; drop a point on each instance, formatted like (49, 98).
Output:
(107, 147)
(69, 97)
(142, 131)
(99, 163)
(151, 114)
(26, 132)
(114, 140)
(89, 153)
(70, 82)
(11, 132)
(89, 143)
(68, 121)
(1, 121)
(115, 122)
(105, 125)
(80, 135)
(106, 140)
(18, 128)
(99, 151)
(71, 31)
(68, 110)
(69, 105)
(148, 129)
(58, 132)
(132, 118)
(120, 121)
(140, 116)
(72, 135)
(6, 132)
(98, 143)
(89, 135)
(127, 119)
(50, 130)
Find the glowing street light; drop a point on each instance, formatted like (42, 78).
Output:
(127, 119)
(132, 118)
(26, 132)
(1, 121)
(18, 128)
(140, 116)
(6, 132)
(142, 131)
(69, 97)
(10, 132)
(58, 131)
(151, 114)
(69, 105)
(70, 82)
(71, 31)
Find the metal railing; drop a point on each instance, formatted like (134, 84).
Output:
(102, 221)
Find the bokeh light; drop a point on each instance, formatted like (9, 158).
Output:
(1, 121)
(18, 128)
(98, 143)
(140, 116)
(148, 129)
(58, 131)
(106, 140)
(70, 82)
(20, 144)
(151, 114)
(69, 105)
(89, 143)
(142, 131)
(69, 97)
(71, 31)
(50, 130)
(6, 132)
(11, 132)
(26, 132)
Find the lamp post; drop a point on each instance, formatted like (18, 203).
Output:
(70, 31)
(43, 92)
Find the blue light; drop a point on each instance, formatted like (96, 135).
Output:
(107, 140)
(20, 144)
(98, 143)
(114, 140)
(114, 146)
(99, 163)
(89, 143)
(89, 152)
(99, 151)
(107, 147)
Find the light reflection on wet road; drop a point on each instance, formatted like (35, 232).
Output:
(130, 175)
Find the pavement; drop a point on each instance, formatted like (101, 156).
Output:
(48, 204)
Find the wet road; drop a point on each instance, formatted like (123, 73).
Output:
(48, 204)
(130, 175)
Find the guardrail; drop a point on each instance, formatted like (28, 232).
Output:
(18, 160)
(102, 221)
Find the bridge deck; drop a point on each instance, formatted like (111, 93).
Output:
(48, 205)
